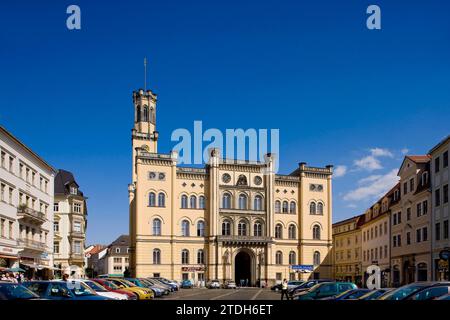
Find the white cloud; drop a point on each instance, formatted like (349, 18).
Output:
(368, 163)
(340, 171)
(379, 152)
(404, 151)
(352, 206)
(369, 179)
(374, 187)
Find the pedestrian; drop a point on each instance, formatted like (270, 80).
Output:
(246, 282)
(241, 282)
(284, 289)
(65, 277)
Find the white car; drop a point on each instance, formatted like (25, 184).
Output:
(215, 284)
(101, 291)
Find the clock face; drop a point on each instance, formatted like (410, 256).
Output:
(258, 180)
(226, 178)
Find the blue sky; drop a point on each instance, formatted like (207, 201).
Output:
(339, 93)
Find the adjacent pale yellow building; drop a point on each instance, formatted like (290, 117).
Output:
(231, 220)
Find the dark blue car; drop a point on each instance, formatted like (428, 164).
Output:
(62, 290)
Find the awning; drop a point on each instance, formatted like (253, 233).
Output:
(8, 257)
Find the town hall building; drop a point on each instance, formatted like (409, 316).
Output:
(231, 220)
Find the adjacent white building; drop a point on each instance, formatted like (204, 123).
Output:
(69, 225)
(440, 206)
(26, 208)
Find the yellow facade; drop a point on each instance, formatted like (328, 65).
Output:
(231, 220)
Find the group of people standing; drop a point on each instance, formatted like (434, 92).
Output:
(15, 277)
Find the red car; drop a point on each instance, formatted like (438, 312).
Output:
(114, 288)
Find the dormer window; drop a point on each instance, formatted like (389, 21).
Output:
(424, 178)
(73, 190)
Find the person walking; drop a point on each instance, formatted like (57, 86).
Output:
(284, 289)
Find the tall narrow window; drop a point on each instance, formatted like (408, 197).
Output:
(316, 258)
(161, 200)
(152, 199)
(292, 207)
(193, 202)
(257, 229)
(185, 228)
(138, 114)
(292, 232)
(226, 228)
(156, 256)
(184, 201)
(312, 208)
(285, 207)
(184, 256)
(257, 203)
(279, 258)
(201, 202)
(200, 257)
(277, 206)
(292, 258)
(156, 227)
(242, 202)
(242, 228)
(278, 231)
(200, 229)
(316, 232)
(320, 208)
(226, 201)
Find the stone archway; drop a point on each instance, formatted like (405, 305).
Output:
(244, 267)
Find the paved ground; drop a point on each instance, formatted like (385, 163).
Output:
(224, 294)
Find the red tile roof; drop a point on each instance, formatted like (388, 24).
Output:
(420, 159)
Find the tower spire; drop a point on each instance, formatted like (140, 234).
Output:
(145, 73)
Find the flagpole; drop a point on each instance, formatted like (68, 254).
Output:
(145, 74)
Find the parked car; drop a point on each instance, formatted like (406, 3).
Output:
(325, 289)
(407, 290)
(102, 291)
(351, 294)
(15, 291)
(142, 293)
(306, 286)
(375, 294)
(158, 292)
(276, 287)
(172, 283)
(154, 285)
(63, 290)
(294, 284)
(230, 285)
(214, 284)
(170, 286)
(430, 293)
(444, 297)
(110, 286)
(187, 284)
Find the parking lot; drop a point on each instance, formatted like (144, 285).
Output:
(224, 294)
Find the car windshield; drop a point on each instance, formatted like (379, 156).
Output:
(111, 285)
(80, 289)
(126, 283)
(402, 292)
(95, 286)
(16, 292)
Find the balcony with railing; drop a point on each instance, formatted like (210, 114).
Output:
(30, 215)
(32, 244)
(76, 256)
(244, 240)
(77, 234)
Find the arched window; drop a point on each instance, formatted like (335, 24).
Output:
(200, 229)
(184, 200)
(257, 205)
(200, 257)
(138, 114)
(145, 116)
(285, 207)
(316, 232)
(201, 202)
(278, 231)
(226, 228)
(257, 229)
(312, 208)
(193, 202)
(242, 202)
(156, 227)
(152, 199)
(226, 201)
(316, 258)
(156, 256)
(161, 200)
(292, 207)
(292, 258)
(242, 228)
(277, 206)
(185, 256)
(152, 115)
(292, 232)
(185, 228)
(279, 257)
(320, 208)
